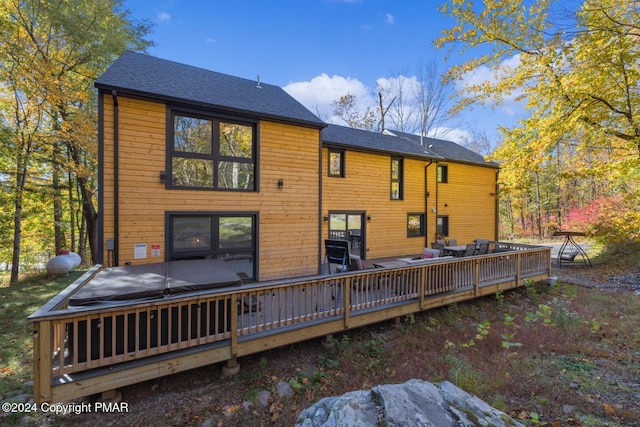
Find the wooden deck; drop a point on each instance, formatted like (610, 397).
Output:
(79, 351)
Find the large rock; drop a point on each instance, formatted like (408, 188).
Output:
(63, 263)
(414, 403)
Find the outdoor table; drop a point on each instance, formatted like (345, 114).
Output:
(389, 264)
(457, 250)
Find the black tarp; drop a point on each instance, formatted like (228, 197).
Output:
(148, 281)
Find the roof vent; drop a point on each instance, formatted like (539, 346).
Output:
(258, 85)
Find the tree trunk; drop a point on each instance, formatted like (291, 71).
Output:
(538, 211)
(88, 210)
(21, 179)
(17, 233)
(60, 241)
(72, 215)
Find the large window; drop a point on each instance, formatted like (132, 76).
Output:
(231, 237)
(336, 163)
(211, 153)
(415, 225)
(396, 179)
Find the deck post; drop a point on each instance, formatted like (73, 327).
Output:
(230, 368)
(518, 268)
(476, 278)
(327, 341)
(397, 322)
(234, 326)
(346, 298)
(422, 286)
(111, 396)
(42, 358)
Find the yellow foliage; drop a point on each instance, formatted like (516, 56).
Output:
(582, 134)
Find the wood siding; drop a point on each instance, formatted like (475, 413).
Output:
(288, 217)
(366, 187)
(468, 198)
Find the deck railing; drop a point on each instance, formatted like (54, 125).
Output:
(84, 350)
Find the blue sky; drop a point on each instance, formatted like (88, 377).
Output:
(317, 50)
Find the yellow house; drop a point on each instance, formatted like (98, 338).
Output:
(198, 164)
(201, 165)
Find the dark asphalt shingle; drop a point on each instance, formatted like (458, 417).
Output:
(145, 75)
(400, 143)
(372, 141)
(447, 149)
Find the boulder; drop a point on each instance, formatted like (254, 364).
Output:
(63, 263)
(414, 403)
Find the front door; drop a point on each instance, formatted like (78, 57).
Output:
(349, 226)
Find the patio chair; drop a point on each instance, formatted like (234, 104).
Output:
(483, 249)
(355, 263)
(337, 253)
(438, 246)
(471, 250)
(452, 242)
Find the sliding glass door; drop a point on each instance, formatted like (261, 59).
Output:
(349, 225)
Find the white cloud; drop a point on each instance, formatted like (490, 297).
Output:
(209, 40)
(389, 19)
(163, 17)
(321, 91)
(408, 85)
(450, 134)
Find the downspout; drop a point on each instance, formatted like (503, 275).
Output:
(426, 204)
(437, 200)
(497, 207)
(320, 207)
(100, 259)
(116, 181)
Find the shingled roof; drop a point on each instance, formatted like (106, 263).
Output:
(400, 143)
(147, 76)
(342, 136)
(449, 150)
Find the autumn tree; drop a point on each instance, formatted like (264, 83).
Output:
(418, 104)
(576, 71)
(52, 53)
(346, 109)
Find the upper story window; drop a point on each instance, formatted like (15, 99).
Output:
(336, 163)
(443, 173)
(211, 153)
(396, 179)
